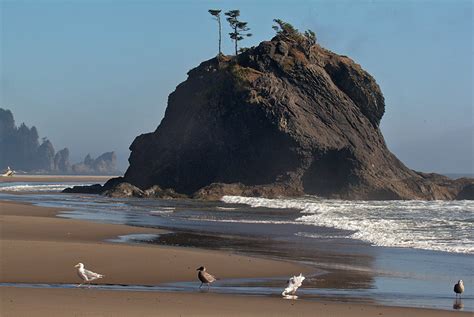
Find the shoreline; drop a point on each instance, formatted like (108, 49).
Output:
(91, 302)
(54, 178)
(34, 234)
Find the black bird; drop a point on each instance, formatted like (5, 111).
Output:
(459, 288)
(205, 277)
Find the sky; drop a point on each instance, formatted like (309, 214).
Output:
(92, 75)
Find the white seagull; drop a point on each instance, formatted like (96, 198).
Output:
(86, 275)
(293, 284)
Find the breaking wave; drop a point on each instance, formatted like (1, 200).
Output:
(429, 225)
(15, 187)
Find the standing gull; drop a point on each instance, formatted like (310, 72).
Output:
(205, 277)
(86, 275)
(459, 288)
(293, 284)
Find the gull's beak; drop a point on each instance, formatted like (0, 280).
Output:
(77, 265)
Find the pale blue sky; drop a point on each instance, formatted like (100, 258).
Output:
(93, 74)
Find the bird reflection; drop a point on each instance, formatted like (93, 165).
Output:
(458, 304)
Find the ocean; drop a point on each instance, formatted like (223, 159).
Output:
(402, 253)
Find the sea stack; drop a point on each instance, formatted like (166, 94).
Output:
(285, 118)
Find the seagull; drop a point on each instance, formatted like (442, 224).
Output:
(459, 288)
(205, 277)
(86, 275)
(9, 172)
(293, 284)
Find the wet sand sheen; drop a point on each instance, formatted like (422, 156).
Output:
(55, 245)
(31, 234)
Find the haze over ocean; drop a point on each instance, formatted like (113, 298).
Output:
(92, 75)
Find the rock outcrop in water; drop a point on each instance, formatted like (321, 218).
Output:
(105, 164)
(285, 118)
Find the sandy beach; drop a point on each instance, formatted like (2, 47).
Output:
(37, 247)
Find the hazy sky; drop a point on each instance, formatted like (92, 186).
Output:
(92, 75)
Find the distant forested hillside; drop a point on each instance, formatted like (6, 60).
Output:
(21, 149)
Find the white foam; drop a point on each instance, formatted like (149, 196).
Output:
(431, 225)
(271, 222)
(35, 188)
(226, 208)
(163, 210)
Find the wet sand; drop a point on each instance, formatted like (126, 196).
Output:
(36, 247)
(90, 302)
(30, 234)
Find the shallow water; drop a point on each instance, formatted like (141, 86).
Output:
(346, 268)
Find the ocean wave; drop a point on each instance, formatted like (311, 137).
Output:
(162, 210)
(430, 225)
(270, 222)
(35, 188)
(226, 208)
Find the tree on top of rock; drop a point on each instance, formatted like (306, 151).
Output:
(239, 28)
(285, 29)
(217, 16)
(288, 31)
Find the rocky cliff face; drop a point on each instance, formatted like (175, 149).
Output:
(284, 118)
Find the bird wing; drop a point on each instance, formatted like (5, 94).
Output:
(458, 289)
(82, 275)
(92, 275)
(210, 278)
(293, 284)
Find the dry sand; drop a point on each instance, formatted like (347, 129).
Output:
(36, 247)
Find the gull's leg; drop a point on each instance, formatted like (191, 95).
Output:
(79, 285)
(208, 286)
(200, 285)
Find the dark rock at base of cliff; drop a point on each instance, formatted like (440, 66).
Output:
(92, 189)
(124, 190)
(216, 191)
(467, 193)
(117, 188)
(157, 192)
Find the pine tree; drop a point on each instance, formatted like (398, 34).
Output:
(239, 28)
(217, 16)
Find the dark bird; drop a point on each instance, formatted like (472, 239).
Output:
(205, 277)
(459, 288)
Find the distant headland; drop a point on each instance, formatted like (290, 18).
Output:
(21, 150)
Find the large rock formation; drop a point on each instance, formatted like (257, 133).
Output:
(287, 117)
(20, 147)
(105, 164)
(61, 161)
